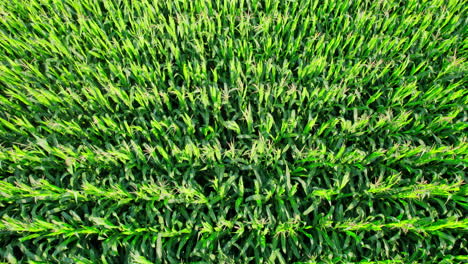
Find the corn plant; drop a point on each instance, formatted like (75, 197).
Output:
(240, 131)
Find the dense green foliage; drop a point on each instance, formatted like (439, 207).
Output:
(240, 131)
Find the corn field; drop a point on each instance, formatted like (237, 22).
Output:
(233, 131)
